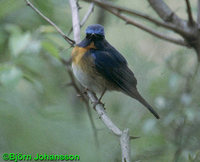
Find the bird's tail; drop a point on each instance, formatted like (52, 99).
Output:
(146, 104)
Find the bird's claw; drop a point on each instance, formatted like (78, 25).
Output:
(97, 103)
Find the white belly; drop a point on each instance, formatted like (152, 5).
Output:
(80, 75)
(85, 80)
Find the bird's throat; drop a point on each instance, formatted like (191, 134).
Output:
(78, 52)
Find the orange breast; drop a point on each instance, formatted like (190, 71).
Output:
(78, 53)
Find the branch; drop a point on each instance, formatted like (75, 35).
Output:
(102, 115)
(124, 141)
(164, 11)
(166, 14)
(139, 14)
(198, 13)
(75, 20)
(70, 41)
(190, 18)
(157, 34)
(85, 18)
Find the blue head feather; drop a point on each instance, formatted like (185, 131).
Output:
(95, 29)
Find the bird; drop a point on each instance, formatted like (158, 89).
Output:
(99, 67)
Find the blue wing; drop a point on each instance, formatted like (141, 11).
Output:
(113, 66)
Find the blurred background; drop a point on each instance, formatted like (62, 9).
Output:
(40, 114)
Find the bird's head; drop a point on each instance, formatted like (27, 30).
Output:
(95, 31)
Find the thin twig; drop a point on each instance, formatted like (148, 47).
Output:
(190, 18)
(157, 34)
(70, 41)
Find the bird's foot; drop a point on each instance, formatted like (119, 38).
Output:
(97, 103)
(99, 100)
